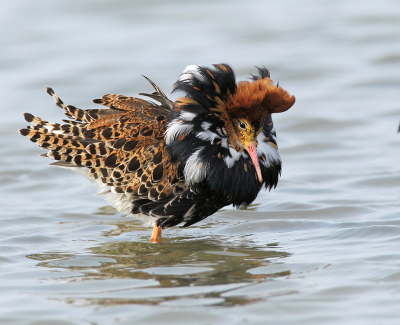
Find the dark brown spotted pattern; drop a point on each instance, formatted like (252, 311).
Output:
(123, 146)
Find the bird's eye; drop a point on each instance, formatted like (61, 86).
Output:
(242, 125)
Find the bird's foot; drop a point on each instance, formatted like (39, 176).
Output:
(156, 235)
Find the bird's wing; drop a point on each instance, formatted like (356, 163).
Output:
(123, 146)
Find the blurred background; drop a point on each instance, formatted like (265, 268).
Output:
(322, 248)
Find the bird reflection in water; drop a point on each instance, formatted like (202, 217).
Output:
(204, 267)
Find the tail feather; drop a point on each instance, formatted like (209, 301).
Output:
(78, 114)
(159, 96)
(69, 110)
(76, 130)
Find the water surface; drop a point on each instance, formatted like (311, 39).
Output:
(323, 248)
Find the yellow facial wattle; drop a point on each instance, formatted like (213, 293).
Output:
(248, 138)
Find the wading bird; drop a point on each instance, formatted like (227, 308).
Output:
(174, 162)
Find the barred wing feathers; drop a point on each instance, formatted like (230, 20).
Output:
(121, 146)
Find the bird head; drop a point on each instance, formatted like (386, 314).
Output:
(245, 111)
(227, 114)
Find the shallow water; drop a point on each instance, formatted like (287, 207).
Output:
(322, 248)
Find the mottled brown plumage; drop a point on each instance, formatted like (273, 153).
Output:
(123, 146)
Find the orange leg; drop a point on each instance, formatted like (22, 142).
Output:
(156, 235)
